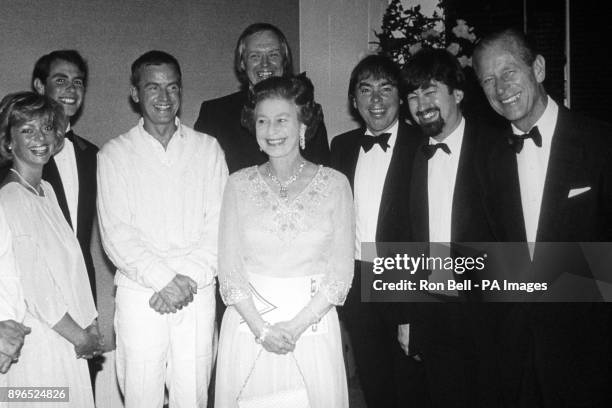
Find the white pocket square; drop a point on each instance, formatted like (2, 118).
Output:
(577, 191)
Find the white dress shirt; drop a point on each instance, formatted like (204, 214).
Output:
(532, 163)
(159, 209)
(441, 177)
(370, 174)
(67, 168)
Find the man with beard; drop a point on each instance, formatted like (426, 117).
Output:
(377, 159)
(262, 51)
(452, 339)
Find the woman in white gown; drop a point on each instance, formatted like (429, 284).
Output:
(285, 261)
(59, 306)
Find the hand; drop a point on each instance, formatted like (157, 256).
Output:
(159, 305)
(12, 336)
(91, 343)
(278, 340)
(403, 337)
(5, 363)
(179, 292)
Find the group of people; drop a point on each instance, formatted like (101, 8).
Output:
(247, 199)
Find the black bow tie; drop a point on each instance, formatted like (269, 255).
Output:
(368, 141)
(430, 149)
(70, 135)
(517, 141)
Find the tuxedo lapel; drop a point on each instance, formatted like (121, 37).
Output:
(51, 174)
(419, 200)
(86, 170)
(463, 199)
(396, 189)
(503, 193)
(352, 155)
(565, 162)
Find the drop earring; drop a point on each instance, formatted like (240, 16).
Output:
(302, 141)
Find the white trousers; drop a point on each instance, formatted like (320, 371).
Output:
(173, 349)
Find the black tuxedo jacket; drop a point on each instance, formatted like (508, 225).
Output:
(580, 156)
(344, 154)
(443, 322)
(220, 118)
(567, 343)
(85, 153)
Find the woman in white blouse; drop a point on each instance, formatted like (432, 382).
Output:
(285, 261)
(59, 305)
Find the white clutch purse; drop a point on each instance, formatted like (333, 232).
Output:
(296, 398)
(293, 398)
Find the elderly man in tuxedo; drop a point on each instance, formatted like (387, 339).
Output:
(262, 51)
(549, 180)
(377, 159)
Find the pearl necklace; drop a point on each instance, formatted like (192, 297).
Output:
(26, 182)
(283, 192)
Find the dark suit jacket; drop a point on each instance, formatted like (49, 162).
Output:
(453, 334)
(85, 153)
(345, 150)
(568, 342)
(469, 224)
(220, 118)
(344, 154)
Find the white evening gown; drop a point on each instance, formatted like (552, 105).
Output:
(54, 280)
(281, 253)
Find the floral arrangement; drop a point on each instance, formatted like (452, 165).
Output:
(404, 32)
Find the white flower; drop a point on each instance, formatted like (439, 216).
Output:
(453, 48)
(398, 34)
(462, 30)
(431, 33)
(414, 48)
(465, 61)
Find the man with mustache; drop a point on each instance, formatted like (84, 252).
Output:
(377, 158)
(452, 337)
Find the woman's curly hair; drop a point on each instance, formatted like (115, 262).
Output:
(295, 88)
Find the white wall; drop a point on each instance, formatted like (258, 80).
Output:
(334, 36)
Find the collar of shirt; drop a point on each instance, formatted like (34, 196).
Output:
(393, 130)
(175, 146)
(546, 125)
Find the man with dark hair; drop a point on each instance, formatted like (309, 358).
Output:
(159, 197)
(550, 180)
(262, 51)
(376, 159)
(451, 336)
(62, 75)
